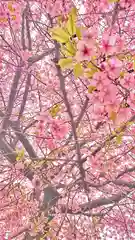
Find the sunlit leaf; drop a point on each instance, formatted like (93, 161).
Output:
(113, 116)
(65, 63)
(78, 33)
(119, 139)
(60, 35)
(71, 23)
(69, 49)
(78, 70)
(113, 1)
(122, 74)
(91, 70)
(20, 154)
(54, 110)
(91, 89)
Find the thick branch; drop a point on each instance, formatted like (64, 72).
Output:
(25, 95)
(11, 98)
(37, 58)
(28, 32)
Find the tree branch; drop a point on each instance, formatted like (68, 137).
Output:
(11, 98)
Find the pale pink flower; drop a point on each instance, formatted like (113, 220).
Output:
(19, 165)
(58, 128)
(131, 100)
(123, 115)
(114, 67)
(100, 80)
(50, 143)
(119, 44)
(85, 51)
(128, 81)
(108, 43)
(89, 35)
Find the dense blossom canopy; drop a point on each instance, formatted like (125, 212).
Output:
(67, 112)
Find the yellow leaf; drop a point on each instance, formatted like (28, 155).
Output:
(69, 49)
(113, 1)
(71, 26)
(20, 154)
(78, 32)
(60, 35)
(129, 123)
(119, 139)
(91, 69)
(54, 110)
(10, 7)
(95, 220)
(122, 74)
(13, 17)
(113, 116)
(65, 63)
(78, 70)
(91, 89)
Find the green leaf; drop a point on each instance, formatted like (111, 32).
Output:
(78, 70)
(65, 63)
(78, 33)
(91, 89)
(119, 139)
(113, 1)
(60, 35)
(54, 110)
(69, 49)
(113, 116)
(71, 23)
(20, 154)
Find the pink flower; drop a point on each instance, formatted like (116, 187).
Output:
(85, 51)
(129, 81)
(90, 35)
(108, 43)
(119, 44)
(123, 115)
(50, 144)
(100, 80)
(19, 166)
(112, 107)
(58, 128)
(114, 67)
(108, 94)
(131, 100)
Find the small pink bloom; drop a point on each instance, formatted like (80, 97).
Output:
(85, 51)
(131, 100)
(50, 144)
(19, 166)
(58, 128)
(129, 81)
(119, 44)
(114, 67)
(123, 115)
(100, 80)
(90, 35)
(108, 43)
